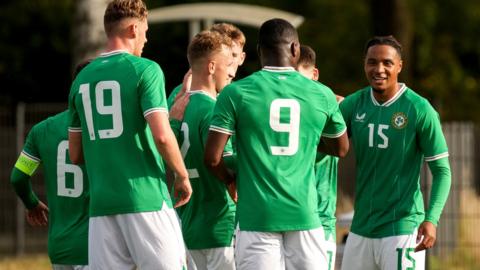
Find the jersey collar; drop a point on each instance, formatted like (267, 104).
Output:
(201, 92)
(110, 53)
(278, 69)
(389, 102)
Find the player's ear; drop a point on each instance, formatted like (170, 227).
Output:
(131, 30)
(315, 74)
(400, 64)
(211, 67)
(295, 49)
(242, 58)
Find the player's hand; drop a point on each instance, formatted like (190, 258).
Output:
(186, 84)
(182, 191)
(178, 109)
(232, 191)
(38, 216)
(427, 234)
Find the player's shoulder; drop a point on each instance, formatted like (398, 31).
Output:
(56, 124)
(140, 64)
(356, 98)
(420, 103)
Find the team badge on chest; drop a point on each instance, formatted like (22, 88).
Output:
(399, 120)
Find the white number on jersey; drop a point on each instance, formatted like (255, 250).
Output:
(62, 169)
(371, 131)
(292, 127)
(192, 173)
(115, 110)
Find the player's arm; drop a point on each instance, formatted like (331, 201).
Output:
(177, 112)
(168, 147)
(337, 146)
(25, 167)
(441, 182)
(433, 145)
(213, 158)
(75, 149)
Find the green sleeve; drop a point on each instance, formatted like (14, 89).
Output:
(441, 183)
(335, 125)
(429, 132)
(346, 108)
(73, 118)
(224, 116)
(176, 126)
(151, 90)
(23, 188)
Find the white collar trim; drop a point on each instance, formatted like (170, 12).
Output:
(110, 53)
(389, 102)
(278, 69)
(202, 92)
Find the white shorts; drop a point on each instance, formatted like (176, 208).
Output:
(212, 259)
(146, 240)
(394, 252)
(284, 250)
(69, 267)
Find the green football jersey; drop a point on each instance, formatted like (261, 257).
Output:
(278, 116)
(67, 190)
(108, 103)
(208, 219)
(326, 168)
(391, 141)
(173, 95)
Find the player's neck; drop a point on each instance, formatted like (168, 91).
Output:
(203, 83)
(385, 95)
(118, 44)
(277, 62)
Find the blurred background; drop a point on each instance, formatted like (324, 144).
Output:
(42, 40)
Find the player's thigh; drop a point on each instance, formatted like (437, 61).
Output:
(220, 258)
(308, 249)
(107, 248)
(154, 239)
(259, 250)
(397, 252)
(358, 253)
(198, 259)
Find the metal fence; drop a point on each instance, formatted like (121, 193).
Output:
(458, 243)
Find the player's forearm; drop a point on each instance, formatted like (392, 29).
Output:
(334, 146)
(441, 182)
(23, 188)
(214, 149)
(168, 147)
(75, 149)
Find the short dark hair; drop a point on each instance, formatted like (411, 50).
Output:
(276, 32)
(118, 10)
(307, 56)
(384, 40)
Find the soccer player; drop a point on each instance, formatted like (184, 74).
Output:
(278, 116)
(208, 219)
(119, 120)
(67, 191)
(239, 55)
(326, 167)
(393, 130)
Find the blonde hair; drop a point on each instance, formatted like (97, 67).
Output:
(231, 31)
(204, 44)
